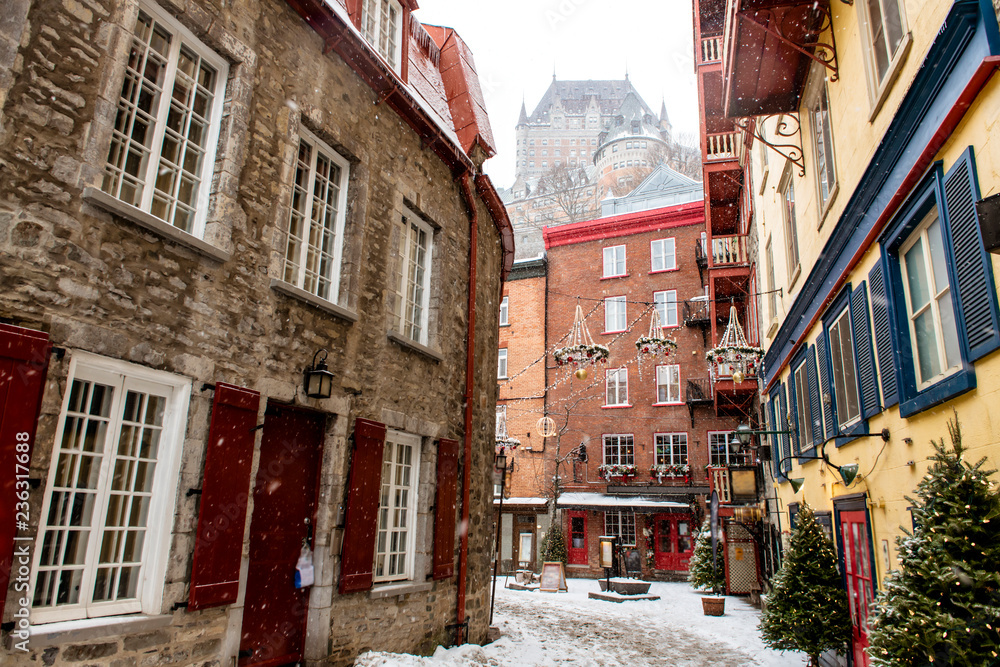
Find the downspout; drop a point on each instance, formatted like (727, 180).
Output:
(461, 627)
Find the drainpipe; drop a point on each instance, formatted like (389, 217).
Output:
(461, 629)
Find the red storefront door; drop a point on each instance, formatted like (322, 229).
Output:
(858, 573)
(274, 616)
(577, 547)
(673, 542)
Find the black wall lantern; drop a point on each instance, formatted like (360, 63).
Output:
(989, 222)
(318, 380)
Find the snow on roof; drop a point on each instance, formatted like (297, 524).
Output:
(598, 500)
(536, 502)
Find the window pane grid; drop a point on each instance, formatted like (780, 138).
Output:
(722, 451)
(663, 255)
(614, 313)
(671, 448)
(622, 525)
(804, 409)
(668, 384)
(618, 450)
(845, 381)
(617, 386)
(394, 516)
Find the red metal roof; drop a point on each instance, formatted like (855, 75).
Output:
(691, 213)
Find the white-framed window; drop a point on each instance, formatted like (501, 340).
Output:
(884, 31)
(845, 374)
(803, 408)
(616, 382)
(106, 517)
(671, 448)
(822, 140)
(409, 301)
(668, 384)
(786, 190)
(166, 129)
(614, 314)
(665, 303)
(395, 542)
(772, 294)
(382, 26)
(502, 363)
(614, 261)
(662, 255)
(315, 239)
(621, 524)
(504, 311)
(619, 450)
(723, 449)
(929, 310)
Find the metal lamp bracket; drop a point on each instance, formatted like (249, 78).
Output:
(791, 151)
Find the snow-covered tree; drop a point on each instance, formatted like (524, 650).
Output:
(942, 606)
(807, 608)
(701, 574)
(554, 545)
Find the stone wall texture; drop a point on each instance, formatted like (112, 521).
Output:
(98, 282)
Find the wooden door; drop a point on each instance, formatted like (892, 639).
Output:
(858, 576)
(577, 547)
(274, 614)
(673, 542)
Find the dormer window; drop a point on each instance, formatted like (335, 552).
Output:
(382, 27)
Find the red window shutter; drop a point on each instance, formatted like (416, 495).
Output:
(357, 555)
(444, 509)
(24, 360)
(218, 547)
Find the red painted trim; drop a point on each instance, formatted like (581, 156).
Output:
(958, 110)
(682, 215)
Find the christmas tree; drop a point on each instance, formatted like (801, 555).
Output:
(942, 606)
(701, 574)
(554, 545)
(807, 608)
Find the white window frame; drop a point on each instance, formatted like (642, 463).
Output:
(714, 456)
(504, 312)
(614, 261)
(403, 516)
(803, 408)
(786, 194)
(620, 523)
(153, 149)
(936, 297)
(615, 314)
(841, 334)
(670, 448)
(299, 248)
(502, 364)
(376, 31)
(668, 377)
(879, 84)
(662, 255)
(772, 294)
(413, 295)
(160, 514)
(616, 386)
(618, 449)
(665, 303)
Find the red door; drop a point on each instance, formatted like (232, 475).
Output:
(673, 542)
(858, 573)
(274, 614)
(577, 548)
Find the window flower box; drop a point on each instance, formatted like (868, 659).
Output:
(670, 470)
(607, 471)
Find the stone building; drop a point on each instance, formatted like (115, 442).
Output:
(204, 206)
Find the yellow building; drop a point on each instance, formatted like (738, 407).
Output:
(872, 134)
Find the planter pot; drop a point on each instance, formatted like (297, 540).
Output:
(713, 606)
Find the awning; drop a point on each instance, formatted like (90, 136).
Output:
(522, 502)
(590, 501)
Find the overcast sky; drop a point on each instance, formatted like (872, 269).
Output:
(516, 43)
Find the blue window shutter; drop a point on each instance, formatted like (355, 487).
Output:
(883, 336)
(976, 294)
(775, 442)
(863, 351)
(793, 409)
(825, 388)
(782, 420)
(814, 404)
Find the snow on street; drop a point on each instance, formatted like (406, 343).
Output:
(548, 629)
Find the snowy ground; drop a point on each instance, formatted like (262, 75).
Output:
(550, 629)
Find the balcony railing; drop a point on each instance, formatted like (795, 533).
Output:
(719, 479)
(699, 390)
(711, 49)
(724, 146)
(696, 311)
(729, 250)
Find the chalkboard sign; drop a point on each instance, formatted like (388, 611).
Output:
(553, 577)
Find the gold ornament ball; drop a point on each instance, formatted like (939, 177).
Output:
(581, 373)
(737, 377)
